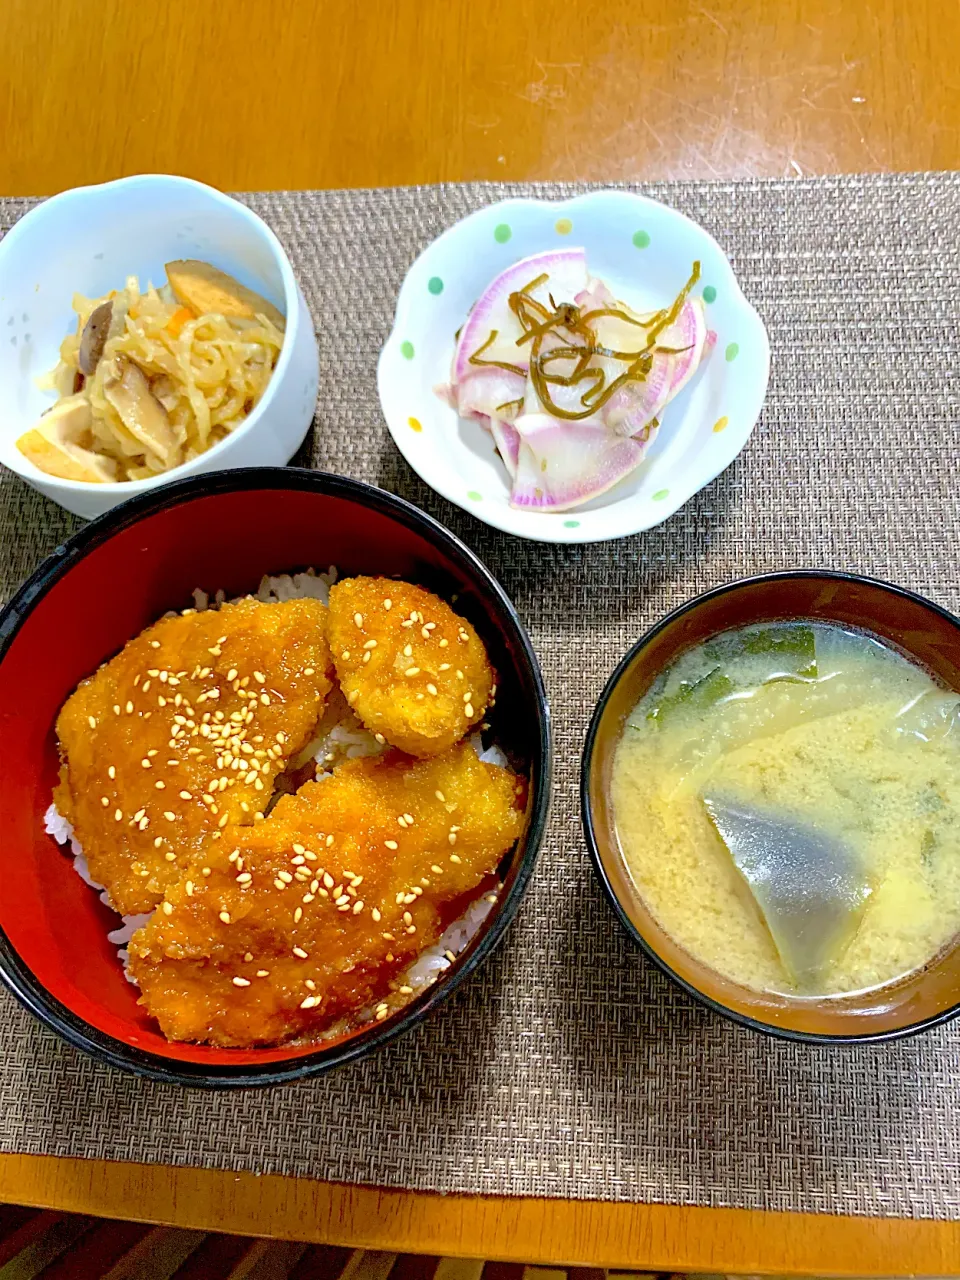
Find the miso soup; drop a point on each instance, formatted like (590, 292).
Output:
(787, 799)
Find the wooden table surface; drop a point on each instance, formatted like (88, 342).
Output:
(252, 96)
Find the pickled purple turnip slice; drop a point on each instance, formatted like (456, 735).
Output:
(566, 270)
(564, 464)
(507, 439)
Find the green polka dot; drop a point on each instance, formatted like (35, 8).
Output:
(571, 524)
(732, 351)
(435, 285)
(709, 293)
(474, 496)
(502, 233)
(406, 350)
(641, 239)
(661, 494)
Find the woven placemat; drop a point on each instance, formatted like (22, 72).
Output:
(570, 1066)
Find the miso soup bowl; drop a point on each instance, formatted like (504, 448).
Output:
(918, 628)
(102, 587)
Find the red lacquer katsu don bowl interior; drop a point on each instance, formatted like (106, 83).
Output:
(116, 576)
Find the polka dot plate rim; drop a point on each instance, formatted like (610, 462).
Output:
(644, 250)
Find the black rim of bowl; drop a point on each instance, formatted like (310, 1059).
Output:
(586, 809)
(20, 979)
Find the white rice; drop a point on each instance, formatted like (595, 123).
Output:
(341, 736)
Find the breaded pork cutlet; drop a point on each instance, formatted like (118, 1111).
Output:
(183, 732)
(313, 914)
(414, 671)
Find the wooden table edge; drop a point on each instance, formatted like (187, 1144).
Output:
(528, 1229)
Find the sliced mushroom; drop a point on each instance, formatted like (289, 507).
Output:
(94, 338)
(54, 444)
(208, 290)
(126, 387)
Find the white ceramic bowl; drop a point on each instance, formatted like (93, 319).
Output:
(644, 251)
(88, 240)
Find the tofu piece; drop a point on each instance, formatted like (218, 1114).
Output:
(208, 290)
(412, 669)
(54, 444)
(185, 730)
(312, 916)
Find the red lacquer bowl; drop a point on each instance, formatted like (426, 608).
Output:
(106, 584)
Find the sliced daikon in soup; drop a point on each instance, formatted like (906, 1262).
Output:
(810, 886)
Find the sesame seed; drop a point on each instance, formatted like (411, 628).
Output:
(298, 915)
(406, 991)
(352, 696)
(491, 898)
(145, 763)
(169, 815)
(154, 644)
(388, 604)
(129, 708)
(370, 644)
(185, 795)
(437, 870)
(143, 824)
(452, 837)
(118, 815)
(92, 721)
(391, 844)
(262, 973)
(440, 796)
(241, 982)
(299, 951)
(450, 956)
(412, 928)
(407, 918)
(260, 677)
(278, 884)
(167, 909)
(170, 856)
(455, 858)
(189, 888)
(358, 619)
(380, 738)
(468, 710)
(244, 877)
(309, 1002)
(329, 841)
(376, 915)
(224, 915)
(358, 906)
(412, 671)
(105, 801)
(432, 690)
(158, 842)
(116, 709)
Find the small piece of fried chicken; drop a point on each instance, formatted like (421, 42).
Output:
(184, 731)
(414, 671)
(313, 915)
